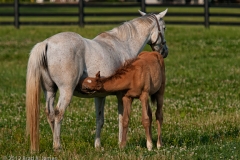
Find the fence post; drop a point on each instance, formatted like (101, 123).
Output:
(206, 13)
(143, 6)
(81, 14)
(16, 14)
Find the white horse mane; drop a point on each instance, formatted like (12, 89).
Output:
(128, 29)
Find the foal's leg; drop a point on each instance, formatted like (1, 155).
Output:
(99, 107)
(147, 118)
(64, 100)
(149, 113)
(127, 102)
(159, 116)
(50, 96)
(120, 116)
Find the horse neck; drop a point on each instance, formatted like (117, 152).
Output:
(132, 37)
(135, 37)
(114, 85)
(121, 80)
(138, 41)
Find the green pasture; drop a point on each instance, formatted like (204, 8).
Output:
(201, 104)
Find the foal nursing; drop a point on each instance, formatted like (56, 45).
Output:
(138, 78)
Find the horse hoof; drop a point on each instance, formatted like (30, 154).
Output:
(159, 145)
(122, 145)
(149, 146)
(58, 149)
(97, 143)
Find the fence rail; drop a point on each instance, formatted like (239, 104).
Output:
(18, 10)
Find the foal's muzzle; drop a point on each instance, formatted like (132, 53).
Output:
(87, 90)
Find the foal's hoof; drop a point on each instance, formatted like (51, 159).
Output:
(159, 145)
(122, 145)
(149, 146)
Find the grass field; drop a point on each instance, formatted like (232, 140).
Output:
(201, 107)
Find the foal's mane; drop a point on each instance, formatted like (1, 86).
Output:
(122, 70)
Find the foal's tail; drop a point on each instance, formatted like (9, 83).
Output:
(153, 99)
(36, 61)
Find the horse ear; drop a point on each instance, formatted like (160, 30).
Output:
(142, 13)
(162, 14)
(98, 74)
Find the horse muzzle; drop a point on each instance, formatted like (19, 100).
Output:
(163, 49)
(87, 90)
(164, 52)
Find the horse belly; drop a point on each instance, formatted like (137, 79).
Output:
(77, 93)
(107, 64)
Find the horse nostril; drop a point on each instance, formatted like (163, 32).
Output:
(165, 53)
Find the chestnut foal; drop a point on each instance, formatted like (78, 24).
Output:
(138, 78)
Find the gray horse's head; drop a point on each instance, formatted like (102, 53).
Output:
(157, 39)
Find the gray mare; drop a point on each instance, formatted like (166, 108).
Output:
(61, 61)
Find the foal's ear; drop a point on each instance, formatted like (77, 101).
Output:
(98, 74)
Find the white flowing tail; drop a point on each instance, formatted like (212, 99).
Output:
(36, 60)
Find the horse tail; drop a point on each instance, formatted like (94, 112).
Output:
(36, 61)
(153, 99)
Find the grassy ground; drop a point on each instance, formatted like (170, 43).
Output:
(201, 107)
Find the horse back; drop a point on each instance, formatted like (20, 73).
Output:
(153, 68)
(152, 57)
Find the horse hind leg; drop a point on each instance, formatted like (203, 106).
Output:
(64, 100)
(149, 142)
(127, 102)
(159, 117)
(50, 89)
(147, 119)
(50, 96)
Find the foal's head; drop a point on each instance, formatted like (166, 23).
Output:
(91, 85)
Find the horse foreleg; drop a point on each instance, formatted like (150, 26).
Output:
(120, 116)
(64, 100)
(50, 96)
(99, 107)
(147, 119)
(159, 117)
(127, 102)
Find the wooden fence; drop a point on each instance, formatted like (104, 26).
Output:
(15, 10)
